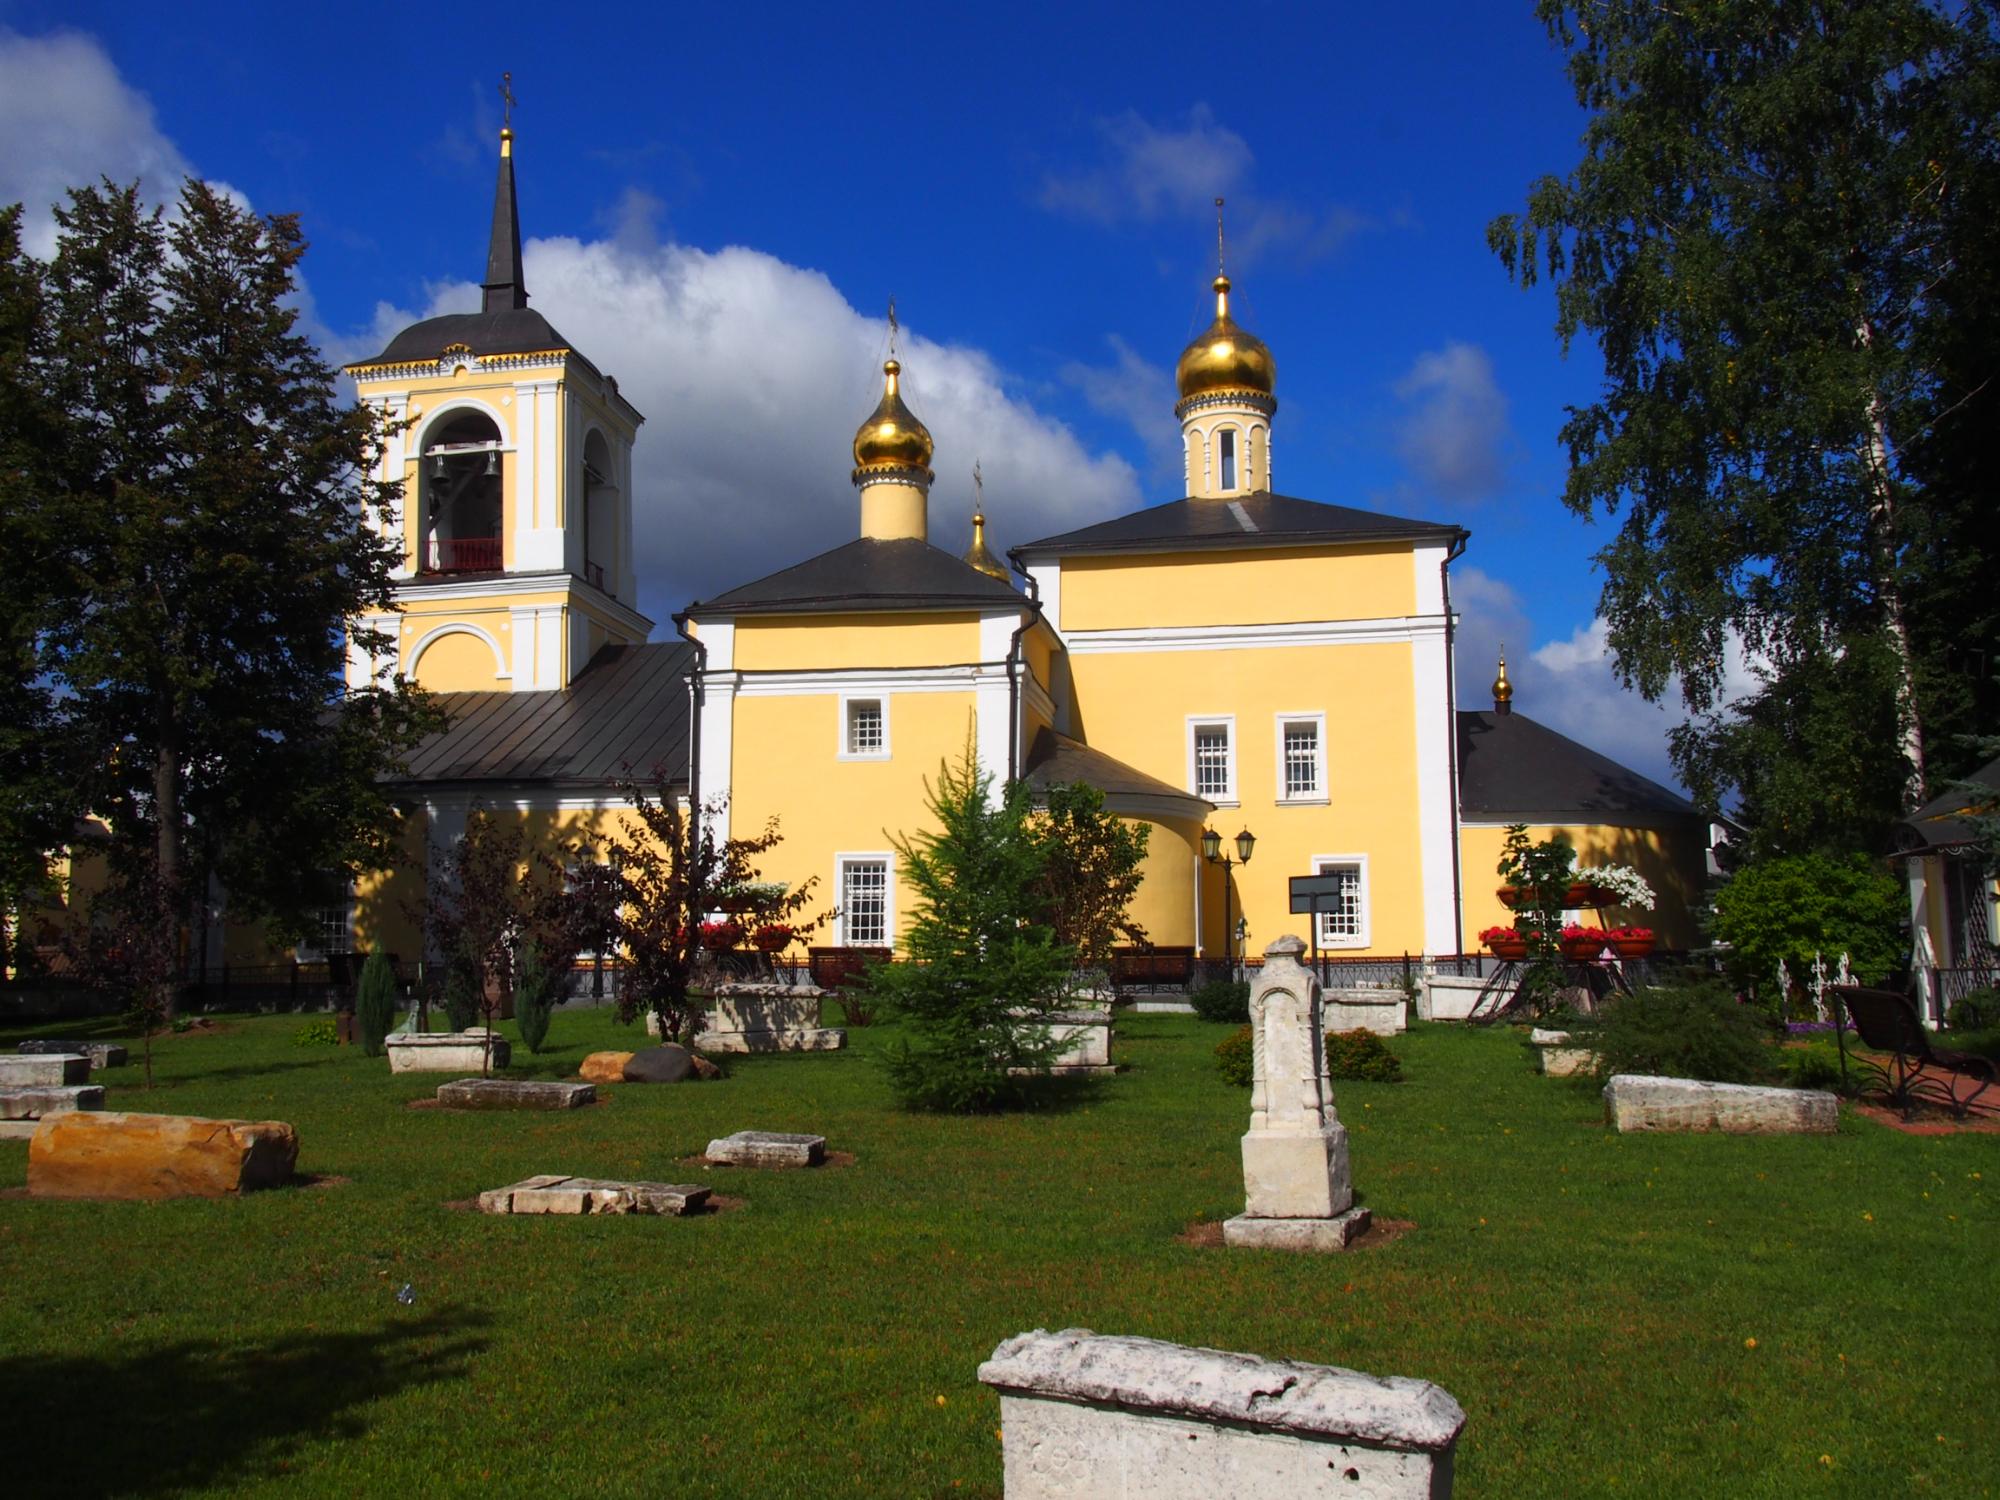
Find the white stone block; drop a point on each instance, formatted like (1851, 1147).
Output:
(1636, 1102)
(764, 1018)
(1449, 997)
(557, 1194)
(1085, 1415)
(49, 1099)
(767, 1148)
(447, 1052)
(1314, 1236)
(1290, 1175)
(1384, 1012)
(101, 1054)
(1555, 1057)
(44, 1070)
(515, 1093)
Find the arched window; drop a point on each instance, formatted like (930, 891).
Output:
(600, 514)
(462, 501)
(1228, 446)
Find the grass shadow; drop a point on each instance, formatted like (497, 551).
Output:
(205, 1413)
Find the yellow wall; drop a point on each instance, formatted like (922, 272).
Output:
(805, 643)
(1265, 587)
(458, 663)
(785, 765)
(1673, 861)
(1164, 905)
(1136, 706)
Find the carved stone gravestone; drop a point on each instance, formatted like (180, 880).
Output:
(1297, 1191)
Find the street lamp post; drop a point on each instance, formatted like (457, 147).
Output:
(1211, 850)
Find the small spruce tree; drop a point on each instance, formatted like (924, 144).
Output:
(375, 1002)
(984, 973)
(536, 994)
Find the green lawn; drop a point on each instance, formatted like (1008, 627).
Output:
(1590, 1299)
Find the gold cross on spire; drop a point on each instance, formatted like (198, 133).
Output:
(892, 328)
(507, 101)
(1219, 260)
(978, 490)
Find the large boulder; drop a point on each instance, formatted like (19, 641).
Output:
(86, 1154)
(604, 1067)
(669, 1063)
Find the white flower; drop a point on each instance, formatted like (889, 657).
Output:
(1624, 882)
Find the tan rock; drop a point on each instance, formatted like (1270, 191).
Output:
(604, 1067)
(703, 1068)
(87, 1154)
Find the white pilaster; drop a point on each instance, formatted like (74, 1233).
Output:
(718, 722)
(538, 647)
(995, 728)
(538, 540)
(1048, 589)
(1434, 734)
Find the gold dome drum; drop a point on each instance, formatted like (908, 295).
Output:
(892, 437)
(1225, 358)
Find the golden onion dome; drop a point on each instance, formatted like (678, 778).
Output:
(1224, 357)
(1503, 690)
(892, 437)
(979, 555)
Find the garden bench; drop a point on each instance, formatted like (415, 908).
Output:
(1152, 968)
(1915, 1072)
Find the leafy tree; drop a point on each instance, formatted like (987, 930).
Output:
(983, 971)
(668, 865)
(1794, 906)
(375, 1002)
(1783, 214)
(199, 517)
(1090, 872)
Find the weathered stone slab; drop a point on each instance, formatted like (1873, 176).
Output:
(49, 1099)
(556, 1194)
(604, 1067)
(88, 1154)
(101, 1054)
(1085, 1038)
(1384, 1012)
(1088, 1415)
(515, 1093)
(767, 1018)
(1556, 1057)
(768, 1148)
(1635, 1102)
(666, 1063)
(44, 1070)
(1449, 997)
(447, 1052)
(1311, 1235)
(819, 1039)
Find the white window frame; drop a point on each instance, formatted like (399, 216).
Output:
(1228, 459)
(1213, 721)
(1281, 723)
(887, 860)
(847, 700)
(306, 952)
(1327, 939)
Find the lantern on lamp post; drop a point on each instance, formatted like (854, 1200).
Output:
(1211, 850)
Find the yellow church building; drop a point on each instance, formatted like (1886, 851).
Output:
(1233, 661)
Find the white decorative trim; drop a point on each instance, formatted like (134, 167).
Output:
(416, 652)
(429, 369)
(995, 736)
(594, 600)
(1316, 718)
(1434, 732)
(1390, 629)
(1360, 862)
(538, 647)
(869, 681)
(841, 727)
(1429, 563)
(887, 859)
(1228, 721)
(1048, 590)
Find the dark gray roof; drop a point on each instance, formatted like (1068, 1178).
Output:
(1510, 766)
(1056, 760)
(626, 713)
(1259, 519)
(1941, 823)
(867, 575)
(512, 330)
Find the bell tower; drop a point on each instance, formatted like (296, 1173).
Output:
(514, 453)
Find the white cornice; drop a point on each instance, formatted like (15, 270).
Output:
(1403, 628)
(860, 681)
(580, 595)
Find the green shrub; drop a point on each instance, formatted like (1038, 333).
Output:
(536, 994)
(1792, 907)
(375, 1002)
(1810, 1068)
(1975, 1012)
(1684, 1031)
(1234, 1059)
(1979, 1043)
(320, 1033)
(1223, 1000)
(1362, 1055)
(463, 999)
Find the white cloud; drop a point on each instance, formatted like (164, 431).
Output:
(753, 375)
(1137, 392)
(1148, 172)
(1454, 429)
(69, 119)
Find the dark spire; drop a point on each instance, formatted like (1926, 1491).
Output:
(505, 287)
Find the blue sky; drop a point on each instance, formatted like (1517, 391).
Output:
(719, 202)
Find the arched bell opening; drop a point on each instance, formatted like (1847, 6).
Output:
(463, 503)
(600, 515)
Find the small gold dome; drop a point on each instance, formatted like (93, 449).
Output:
(892, 437)
(1503, 690)
(1225, 358)
(979, 555)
